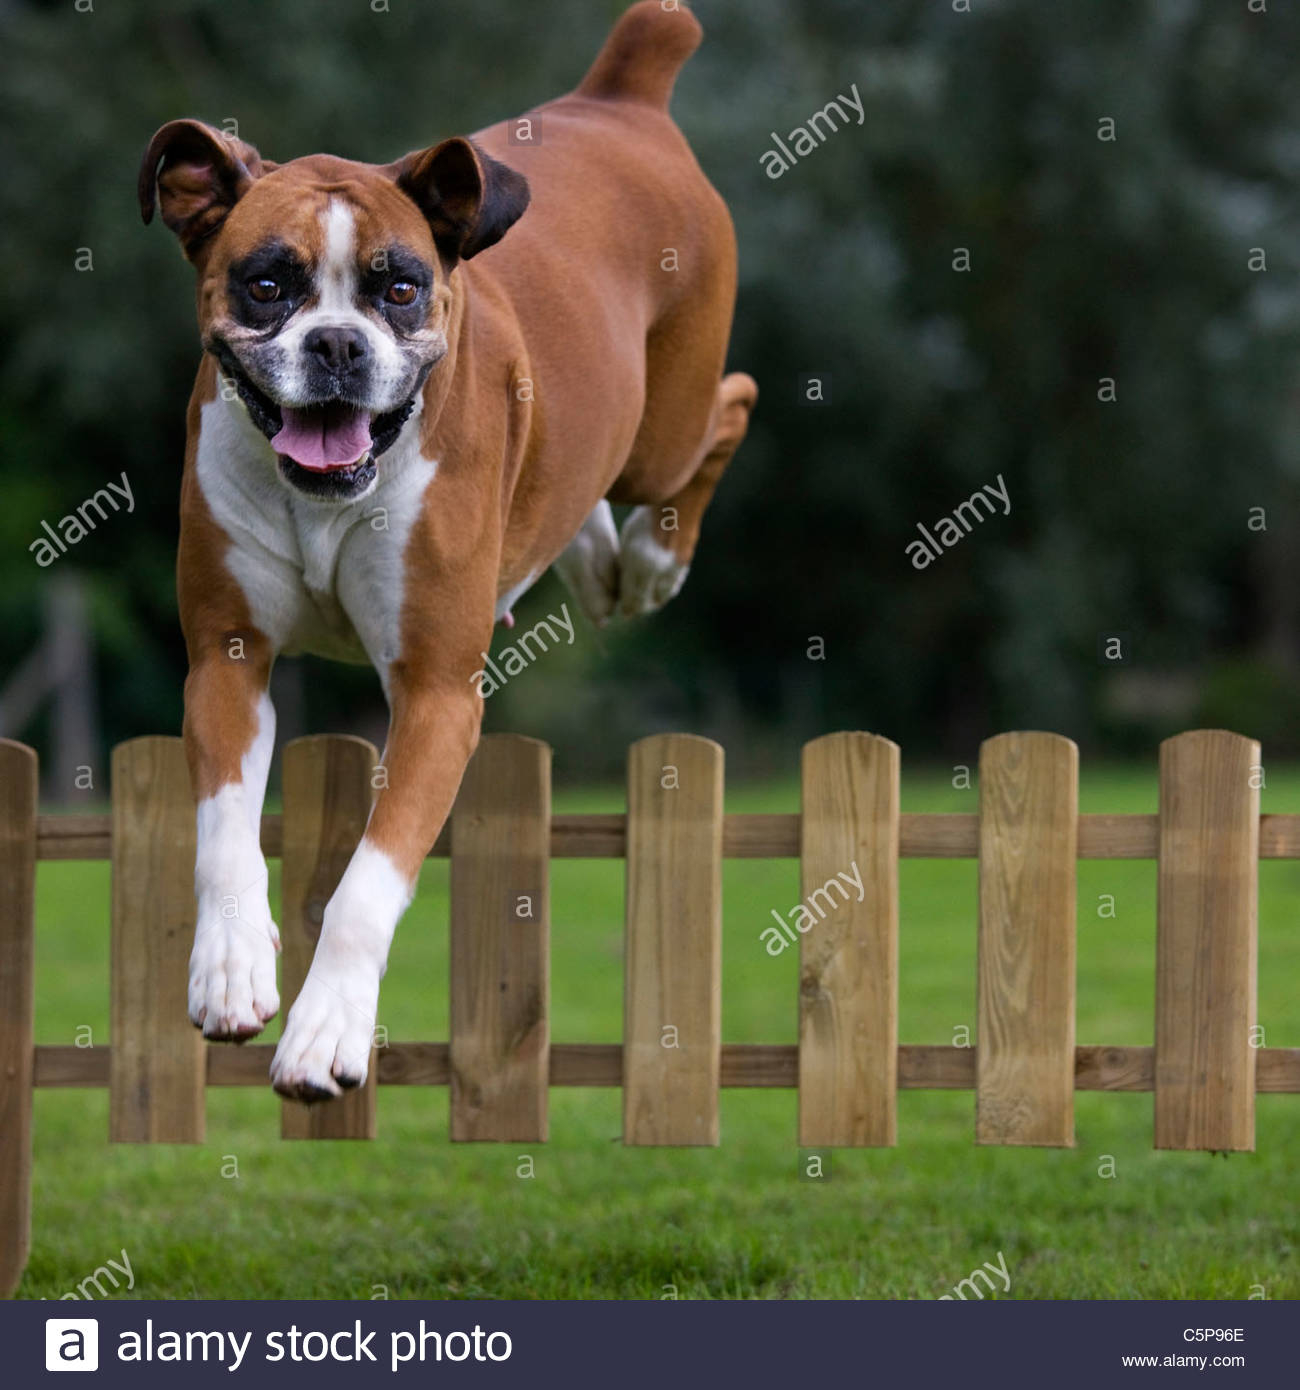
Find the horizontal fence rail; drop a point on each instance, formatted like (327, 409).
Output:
(753, 835)
(848, 1065)
(744, 1066)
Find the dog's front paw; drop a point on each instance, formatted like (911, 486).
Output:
(325, 1048)
(650, 574)
(232, 990)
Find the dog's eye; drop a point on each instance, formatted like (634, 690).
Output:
(401, 292)
(263, 289)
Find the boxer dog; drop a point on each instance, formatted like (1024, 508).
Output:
(397, 426)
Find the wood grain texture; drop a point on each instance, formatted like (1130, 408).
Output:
(501, 942)
(848, 971)
(18, 795)
(1206, 941)
(1277, 1070)
(672, 993)
(327, 799)
(1029, 802)
(156, 1091)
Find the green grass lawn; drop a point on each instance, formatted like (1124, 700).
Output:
(413, 1216)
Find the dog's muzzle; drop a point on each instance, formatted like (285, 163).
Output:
(327, 449)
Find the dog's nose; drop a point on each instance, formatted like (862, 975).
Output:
(340, 350)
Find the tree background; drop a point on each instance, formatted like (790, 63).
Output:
(1127, 258)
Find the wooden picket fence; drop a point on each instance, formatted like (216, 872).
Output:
(848, 1066)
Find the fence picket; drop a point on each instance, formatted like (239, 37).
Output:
(18, 806)
(848, 971)
(1024, 1068)
(1206, 941)
(500, 942)
(672, 983)
(158, 1070)
(327, 798)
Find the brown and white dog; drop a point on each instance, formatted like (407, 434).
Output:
(394, 431)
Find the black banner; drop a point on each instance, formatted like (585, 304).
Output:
(630, 1345)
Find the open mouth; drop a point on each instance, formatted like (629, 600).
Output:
(326, 449)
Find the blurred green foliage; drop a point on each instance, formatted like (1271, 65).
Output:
(1090, 258)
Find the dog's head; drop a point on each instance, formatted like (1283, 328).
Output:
(324, 287)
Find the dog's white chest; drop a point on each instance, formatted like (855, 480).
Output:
(319, 577)
(322, 623)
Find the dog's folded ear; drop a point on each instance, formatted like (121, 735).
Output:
(196, 174)
(469, 199)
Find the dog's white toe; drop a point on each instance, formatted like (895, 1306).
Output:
(650, 574)
(325, 1048)
(232, 989)
(589, 564)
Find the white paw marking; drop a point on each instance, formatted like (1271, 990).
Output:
(326, 1042)
(232, 989)
(589, 564)
(650, 573)
(325, 1046)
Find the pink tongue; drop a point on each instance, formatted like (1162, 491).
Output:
(322, 437)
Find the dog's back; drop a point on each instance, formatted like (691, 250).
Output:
(608, 158)
(626, 259)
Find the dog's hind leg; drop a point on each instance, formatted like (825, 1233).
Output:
(659, 539)
(589, 564)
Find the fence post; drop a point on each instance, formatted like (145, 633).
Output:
(1029, 827)
(848, 972)
(18, 799)
(1206, 941)
(327, 798)
(672, 991)
(157, 1072)
(501, 943)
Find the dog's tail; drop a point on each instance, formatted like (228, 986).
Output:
(643, 55)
